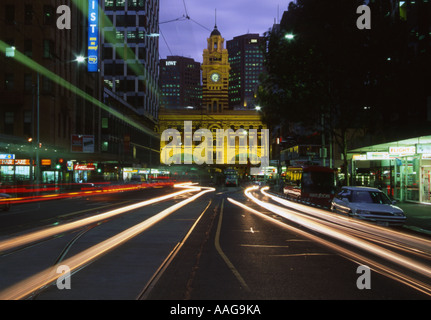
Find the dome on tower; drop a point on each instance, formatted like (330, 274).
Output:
(215, 32)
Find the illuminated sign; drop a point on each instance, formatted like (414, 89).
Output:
(423, 148)
(7, 156)
(45, 162)
(171, 63)
(377, 155)
(17, 162)
(85, 167)
(93, 36)
(359, 157)
(402, 150)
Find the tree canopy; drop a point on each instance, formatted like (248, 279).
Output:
(320, 65)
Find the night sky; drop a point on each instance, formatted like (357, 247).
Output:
(188, 37)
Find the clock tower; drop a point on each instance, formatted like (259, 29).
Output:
(215, 74)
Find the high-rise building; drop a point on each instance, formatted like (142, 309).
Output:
(180, 83)
(130, 53)
(246, 61)
(215, 74)
(40, 110)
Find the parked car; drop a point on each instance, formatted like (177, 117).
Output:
(4, 204)
(368, 204)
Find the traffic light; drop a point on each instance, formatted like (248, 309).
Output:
(60, 163)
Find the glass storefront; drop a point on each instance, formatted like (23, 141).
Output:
(402, 169)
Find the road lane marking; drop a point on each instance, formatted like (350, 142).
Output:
(162, 268)
(221, 253)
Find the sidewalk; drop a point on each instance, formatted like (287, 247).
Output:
(418, 216)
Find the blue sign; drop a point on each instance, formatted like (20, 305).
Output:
(5, 156)
(93, 36)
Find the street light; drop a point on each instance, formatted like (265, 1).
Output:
(78, 59)
(289, 36)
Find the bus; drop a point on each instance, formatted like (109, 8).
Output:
(231, 177)
(314, 185)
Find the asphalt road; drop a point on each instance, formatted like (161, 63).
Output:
(205, 246)
(234, 254)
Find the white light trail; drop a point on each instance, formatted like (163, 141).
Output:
(411, 242)
(42, 234)
(355, 257)
(27, 286)
(334, 233)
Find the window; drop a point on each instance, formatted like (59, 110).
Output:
(120, 3)
(28, 14)
(48, 48)
(28, 47)
(9, 14)
(27, 123)
(48, 15)
(47, 85)
(107, 53)
(9, 81)
(8, 122)
(28, 83)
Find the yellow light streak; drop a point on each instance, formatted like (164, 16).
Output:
(42, 234)
(26, 287)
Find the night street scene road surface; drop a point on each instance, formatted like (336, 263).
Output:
(213, 160)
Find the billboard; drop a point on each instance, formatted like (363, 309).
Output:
(93, 36)
(82, 143)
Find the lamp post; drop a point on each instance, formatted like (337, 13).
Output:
(78, 59)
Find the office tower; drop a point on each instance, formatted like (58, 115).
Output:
(246, 61)
(180, 83)
(130, 52)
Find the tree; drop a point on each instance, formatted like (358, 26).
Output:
(325, 73)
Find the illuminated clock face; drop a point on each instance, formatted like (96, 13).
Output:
(215, 77)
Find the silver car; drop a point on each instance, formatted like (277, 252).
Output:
(368, 204)
(4, 204)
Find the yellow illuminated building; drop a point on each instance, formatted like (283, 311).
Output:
(214, 115)
(215, 74)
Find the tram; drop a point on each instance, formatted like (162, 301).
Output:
(313, 185)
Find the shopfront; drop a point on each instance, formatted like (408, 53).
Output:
(401, 168)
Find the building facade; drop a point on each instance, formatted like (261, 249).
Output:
(180, 83)
(130, 54)
(246, 62)
(40, 108)
(214, 116)
(57, 123)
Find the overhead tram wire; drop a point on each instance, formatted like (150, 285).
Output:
(163, 36)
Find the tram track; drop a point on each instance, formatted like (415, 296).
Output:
(76, 234)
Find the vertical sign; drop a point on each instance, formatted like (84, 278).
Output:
(93, 35)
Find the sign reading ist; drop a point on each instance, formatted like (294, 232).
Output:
(93, 36)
